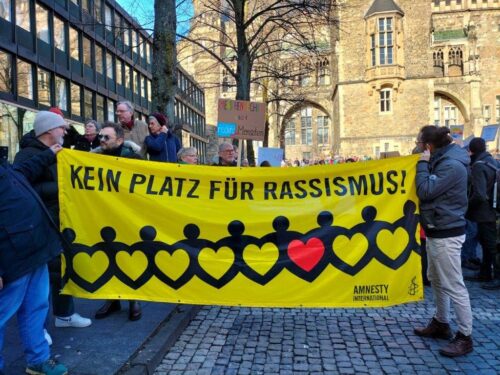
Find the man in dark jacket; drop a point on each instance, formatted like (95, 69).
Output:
(49, 130)
(481, 210)
(161, 144)
(28, 240)
(113, 143)
(442, 189)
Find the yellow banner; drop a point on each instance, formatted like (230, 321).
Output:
(322, 236)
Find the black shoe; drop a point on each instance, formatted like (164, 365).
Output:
(435, 329)
(460, 345)
(135, 311)
(470, 265)
(107, 309)
(493, 285)
(479, 278)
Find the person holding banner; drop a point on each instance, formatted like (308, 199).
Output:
(29, 239)
(112, 137)
(227, 155)
(441, 181)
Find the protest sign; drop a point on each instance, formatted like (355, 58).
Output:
(241, 119)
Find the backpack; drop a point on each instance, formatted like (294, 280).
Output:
(496, 184)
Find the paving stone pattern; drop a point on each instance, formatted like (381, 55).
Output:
(234, 340)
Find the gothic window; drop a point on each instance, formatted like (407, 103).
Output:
(290, 132)
(323, 72)
(438, 58)
(385, 100)
(306, 125)
(455, 61)
(323, 129)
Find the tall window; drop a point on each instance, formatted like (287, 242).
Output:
(76, 99)
(149, 91)
(87, 51)
(385, 100)
(87, 101)
(44, 87)
(290, 132)
(497, 108)
(487, 113)
(23, 14)
(119, 72)
(373, 50)
(455, 56)
(5, 10)
(99, 62)
(108, 18)
(437, 111)
(128, 71)
(59, 34)
(61, 93)
(98, 10)
(143, 87)
(74, 44)
(109, 65)
(42, 24)
(450, 115)
(323, 72)
(5, 72)
(24, 80)
(126, 34)
(99, 101)
(111, 110)
(306, 125)
(323, 129)
(385, 41)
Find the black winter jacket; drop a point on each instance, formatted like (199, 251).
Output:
(28, 236)
(483, 178)
(46, 184)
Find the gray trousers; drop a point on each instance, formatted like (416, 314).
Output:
(445, 274)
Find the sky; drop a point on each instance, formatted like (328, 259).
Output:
(143, 12)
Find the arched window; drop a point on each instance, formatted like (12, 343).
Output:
(455, 61)
(438, 62)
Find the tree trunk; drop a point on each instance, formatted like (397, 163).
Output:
(165, 59)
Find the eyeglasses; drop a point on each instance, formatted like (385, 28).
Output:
(104, 137)
(227, 151)
(191, 155)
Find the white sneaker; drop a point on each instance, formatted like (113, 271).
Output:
(47, 337)
(74, 320)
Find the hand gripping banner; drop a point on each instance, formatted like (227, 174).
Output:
(323, 236)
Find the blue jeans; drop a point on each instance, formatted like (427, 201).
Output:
(28, 297)
(469, 247)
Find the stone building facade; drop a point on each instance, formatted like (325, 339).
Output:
(391, 67)
(399, 65)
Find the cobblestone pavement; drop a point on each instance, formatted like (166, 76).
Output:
(233, 340)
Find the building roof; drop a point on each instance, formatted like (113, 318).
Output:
(383, 6)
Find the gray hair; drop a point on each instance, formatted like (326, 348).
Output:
(225, 145)
(126, 103)
(186, 150)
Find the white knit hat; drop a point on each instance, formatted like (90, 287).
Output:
(45, 121)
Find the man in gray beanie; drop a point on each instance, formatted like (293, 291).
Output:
(49, 129)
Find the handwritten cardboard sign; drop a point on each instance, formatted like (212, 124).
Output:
(241, 119)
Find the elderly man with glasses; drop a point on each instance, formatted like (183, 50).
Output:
(227, 155)
(134, 130)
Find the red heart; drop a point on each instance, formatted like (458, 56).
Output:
(307, 255)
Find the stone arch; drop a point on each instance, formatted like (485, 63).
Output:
(455, 99)
(297, 107)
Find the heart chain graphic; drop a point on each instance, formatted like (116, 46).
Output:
(216, 263)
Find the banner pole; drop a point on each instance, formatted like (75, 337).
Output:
(240, 144)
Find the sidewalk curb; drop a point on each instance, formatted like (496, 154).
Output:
(145, 360)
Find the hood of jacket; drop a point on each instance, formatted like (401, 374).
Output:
(30, 140)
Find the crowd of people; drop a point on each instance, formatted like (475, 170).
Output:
(455, 202)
